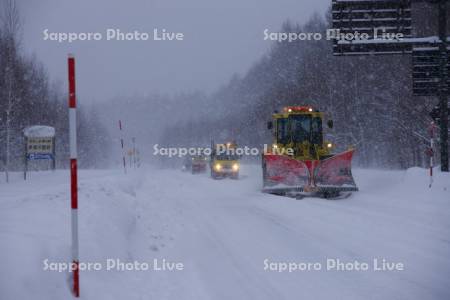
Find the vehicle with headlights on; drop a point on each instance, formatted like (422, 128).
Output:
(224, 161)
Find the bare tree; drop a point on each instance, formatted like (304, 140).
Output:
(10, 30)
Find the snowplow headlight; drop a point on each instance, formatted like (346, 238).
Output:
(218, 167)
(329, 145)
(235, 167)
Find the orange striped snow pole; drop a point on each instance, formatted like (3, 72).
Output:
(73, 176)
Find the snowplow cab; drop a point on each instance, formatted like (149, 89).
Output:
(224, 161)
(300, 128)
(301, 160)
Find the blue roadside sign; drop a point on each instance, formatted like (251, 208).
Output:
(37, 156)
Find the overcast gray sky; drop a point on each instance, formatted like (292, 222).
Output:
(221, 38)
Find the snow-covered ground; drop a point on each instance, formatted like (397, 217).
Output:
(223, 232)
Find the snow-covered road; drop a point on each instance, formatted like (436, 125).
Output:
(225, 233)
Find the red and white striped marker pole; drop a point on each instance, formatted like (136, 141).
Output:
(73, 176)
(432, 133)
(123, 151)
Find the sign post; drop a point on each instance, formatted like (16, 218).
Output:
(73, 176)
(39, 145)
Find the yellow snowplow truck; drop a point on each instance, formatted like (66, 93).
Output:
(224, 161)
(301, 161)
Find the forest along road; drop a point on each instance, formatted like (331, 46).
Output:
(231, 238)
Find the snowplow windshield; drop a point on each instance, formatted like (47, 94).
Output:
(300, 128)
(316, 131)
(283, 131)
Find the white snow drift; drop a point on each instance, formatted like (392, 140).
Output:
(225, 233)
